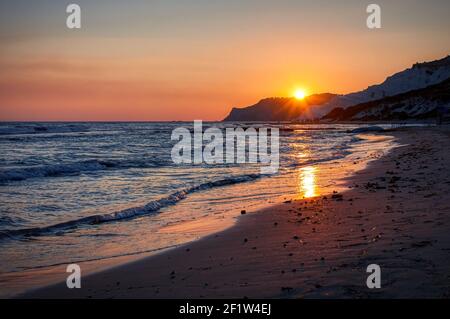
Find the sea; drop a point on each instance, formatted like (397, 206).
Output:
(77, 192)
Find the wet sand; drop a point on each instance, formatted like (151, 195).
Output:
(395, 213)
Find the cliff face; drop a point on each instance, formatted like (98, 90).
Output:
(419, 76)
(415, 104)
(277, 109)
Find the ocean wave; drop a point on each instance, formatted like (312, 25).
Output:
(10, 221)
(41, 128)
(149, 208)
(22, 173)
(76, 168)
(367, 129)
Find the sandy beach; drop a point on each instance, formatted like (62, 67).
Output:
(395, 213)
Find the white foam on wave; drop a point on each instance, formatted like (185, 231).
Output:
(151, 207)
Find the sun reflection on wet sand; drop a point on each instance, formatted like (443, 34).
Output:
(307, 183)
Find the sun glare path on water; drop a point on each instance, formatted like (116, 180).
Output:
(307, 185)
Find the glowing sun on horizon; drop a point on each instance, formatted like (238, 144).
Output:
(300, 94)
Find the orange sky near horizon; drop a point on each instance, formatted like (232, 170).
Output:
(153, 70)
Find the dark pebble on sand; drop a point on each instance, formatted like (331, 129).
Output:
(243, 212)
(337, 196)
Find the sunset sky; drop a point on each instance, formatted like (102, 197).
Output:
(195, 59)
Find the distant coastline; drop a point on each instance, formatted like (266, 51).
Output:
(418, 93)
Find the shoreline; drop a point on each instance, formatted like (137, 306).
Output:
(18, 282)
(275, 253)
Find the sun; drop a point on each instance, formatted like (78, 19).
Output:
(299, 94)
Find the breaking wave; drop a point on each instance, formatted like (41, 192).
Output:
(23, 173)
(149, 208)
